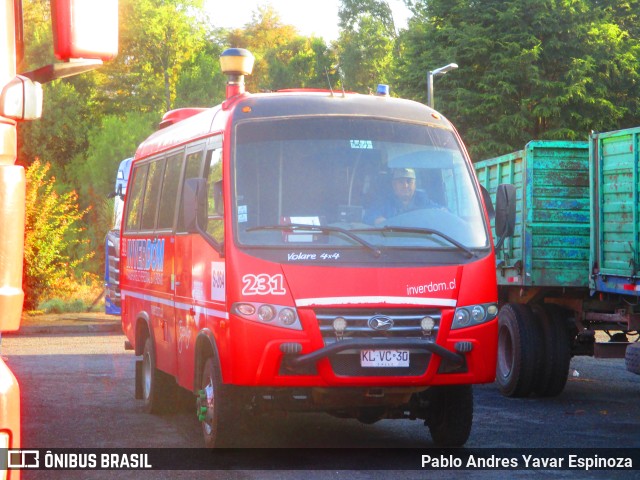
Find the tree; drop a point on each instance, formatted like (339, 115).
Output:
(284, 59)
(266, 33)
(157, 38)
(529, 69)
(301, 63)
(61, 134)
(366, 44)
(201, 83)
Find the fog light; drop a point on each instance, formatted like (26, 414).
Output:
(339, 325)
(427, 324)
(266, 313)
(492, 311)
(287, 316)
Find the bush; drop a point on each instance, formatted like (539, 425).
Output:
(58, 305)
(54, 243)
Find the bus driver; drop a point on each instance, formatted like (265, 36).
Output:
(405, 198)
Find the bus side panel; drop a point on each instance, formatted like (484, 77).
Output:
(147, 280)
(200, 301)
(162, 310)
(186, 316)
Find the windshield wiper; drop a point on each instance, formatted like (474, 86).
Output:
(323, 229)
(426, 231)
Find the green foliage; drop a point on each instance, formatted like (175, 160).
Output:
(61, 133)
(366, 44)
(53, 238)
(529, 69)
(157, 38)
(202, 83)
(111, 141)
(58, 305)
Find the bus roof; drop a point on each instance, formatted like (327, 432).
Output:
(287, 104)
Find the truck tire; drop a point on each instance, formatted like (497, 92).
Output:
(217, 407)
(158, 388)
(632, 358)
(519, 345)
(450, 414)
(556, 351)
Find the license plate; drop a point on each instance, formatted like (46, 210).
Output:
(384, 358)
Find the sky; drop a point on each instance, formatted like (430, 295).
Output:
(318, 17)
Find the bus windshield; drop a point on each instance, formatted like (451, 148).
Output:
(353, 182)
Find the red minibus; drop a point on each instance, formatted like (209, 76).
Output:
(309, 250)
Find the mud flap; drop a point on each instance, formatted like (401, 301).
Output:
(138, 380)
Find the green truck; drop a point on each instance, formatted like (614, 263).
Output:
(569, 275)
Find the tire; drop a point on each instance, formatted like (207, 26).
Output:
(217, 407)
(632, 358)
(450, 414)
(556, 351)
(158, 388)
(519, 345)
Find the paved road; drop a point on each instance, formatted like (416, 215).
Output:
(78, 392)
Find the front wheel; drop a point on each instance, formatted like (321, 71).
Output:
(450, 414)
(217, 408)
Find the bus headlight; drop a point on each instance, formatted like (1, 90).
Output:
(478, 314)
(268, 314)
(461, 318)
(287, 317)
(474, 315)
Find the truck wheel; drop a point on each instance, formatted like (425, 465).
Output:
(216, 407)
(519, 344)
(158, 388)
(556, 351)
(632, 358)
(450, 414)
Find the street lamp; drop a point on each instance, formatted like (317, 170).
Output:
(433, 73)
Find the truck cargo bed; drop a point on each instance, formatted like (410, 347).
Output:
(551, 242)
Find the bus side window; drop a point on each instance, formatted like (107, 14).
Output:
(215, 205)
(169, 195)
(192, 170)
(152, 195)
(134, 205)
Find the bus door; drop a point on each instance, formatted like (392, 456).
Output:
(166, 218)
(187, 292)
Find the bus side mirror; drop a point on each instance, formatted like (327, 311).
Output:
(194, 205)
(84, 29)
(21, 99)
(505, 212)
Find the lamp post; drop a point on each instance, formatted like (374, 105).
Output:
(433, 73)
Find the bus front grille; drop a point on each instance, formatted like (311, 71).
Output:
(377, 324)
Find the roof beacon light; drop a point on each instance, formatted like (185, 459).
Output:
(235, 64)
(383, 90)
